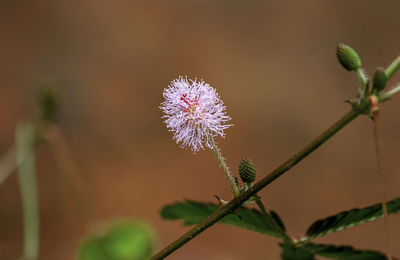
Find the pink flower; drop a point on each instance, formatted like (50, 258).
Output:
(193, 111)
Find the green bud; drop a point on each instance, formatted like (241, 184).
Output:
(348, 57)
(247, 172)
(48, 102)
(380, 79)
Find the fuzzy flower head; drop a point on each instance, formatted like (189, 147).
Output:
(193, 110)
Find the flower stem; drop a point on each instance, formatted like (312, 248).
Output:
(236, 202)
(224, 166)
(363, 78)
(27, 180)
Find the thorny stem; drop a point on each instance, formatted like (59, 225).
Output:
(237, 201)
(378, 150)
(224, 166)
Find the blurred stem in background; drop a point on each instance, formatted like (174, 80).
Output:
(21, 156)
(25, 158)
(69, 171)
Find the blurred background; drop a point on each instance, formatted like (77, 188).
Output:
(273, 64)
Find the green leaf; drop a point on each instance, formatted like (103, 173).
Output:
(347, 219)
(343, 252)
(277, 220)
(192, 212)
(307, 251)
(123, 241)
(293, 252)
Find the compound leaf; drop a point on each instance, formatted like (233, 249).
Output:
(192, 212)
(343, 252)
(347, 219)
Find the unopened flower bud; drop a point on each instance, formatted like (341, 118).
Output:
(380, 79)
(348, 57)
(247, 172)
(48, 102)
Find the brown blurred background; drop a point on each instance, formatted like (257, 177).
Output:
(273, 64)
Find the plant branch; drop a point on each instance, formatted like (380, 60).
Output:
(236, 202)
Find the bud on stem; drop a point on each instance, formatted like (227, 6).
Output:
(379, 80)
(247, 171)
(348, 57)
(48, 102)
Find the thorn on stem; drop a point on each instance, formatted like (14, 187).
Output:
(221, 201)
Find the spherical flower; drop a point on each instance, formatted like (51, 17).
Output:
(193, 110)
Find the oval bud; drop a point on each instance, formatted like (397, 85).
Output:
(247, 171)
(48, 102)
(380, 79)
(348, 57)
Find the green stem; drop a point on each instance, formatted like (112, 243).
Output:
(285, 236)
(362, 77)
(236, 202)
(393, 67)
(224, 166)
(27, 180)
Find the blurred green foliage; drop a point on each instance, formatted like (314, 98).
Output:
(128, 240)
